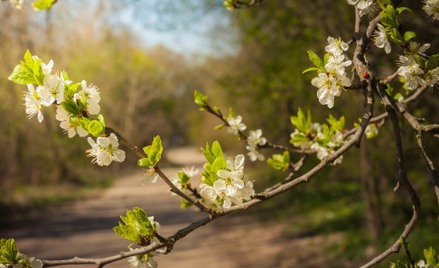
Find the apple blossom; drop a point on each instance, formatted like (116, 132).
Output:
(91, 96)
(431, 7)
(105, 150)
(235, 124)
(327, 89)
(70, 125)
(33, 102)
(381, 39)
(149, 175)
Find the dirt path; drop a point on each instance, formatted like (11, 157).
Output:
(84, 229)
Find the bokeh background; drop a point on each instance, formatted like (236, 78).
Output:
(148, 57)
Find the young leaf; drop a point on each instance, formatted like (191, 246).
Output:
(232, 113)
(310, 70)
(28, 58)
(22, 75)
(408, 36)
(383, 3)
(84, 122)
(43, 4)
(401, 9)
(200, 99)
(96, 128)
(71, 107)
(433, 62)
(184, 178)
(431, 256)
(101, 120)
(216, 149)
(316, 60)
(218, 164)
(185, 204)
(144, 162)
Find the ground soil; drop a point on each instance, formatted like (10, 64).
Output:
(84, 228)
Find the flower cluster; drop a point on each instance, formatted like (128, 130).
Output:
(381, 39)
(24, 262)
(325, 140)
(232, 185)
(415, 70)
(431, 7)
(364, 6)
(254, 140)
(331, 82)
(105, 150)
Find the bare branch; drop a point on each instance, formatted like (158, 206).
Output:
(242, 4)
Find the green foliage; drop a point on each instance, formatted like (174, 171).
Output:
(401, 9)
(200, 99)
(96, 128)
(409, 36)
(298, 139)
(389, 91)
(384, 3)
(431, 257)
(8, 251)
(389, 18)
(301, 122)
(70, 90)
(185, 204)
(43, 4)
(184, 178)
(84, 122)
(433, 62)
(153, 152)
(280, 162)
(316, 61)
(232, 112)
(71, 107)
(336, 124)
(216, 161)
(29, 72)
(137, 226)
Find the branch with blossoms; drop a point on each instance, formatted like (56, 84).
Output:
(225, 188)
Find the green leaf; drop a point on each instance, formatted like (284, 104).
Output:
(144, 162)
(336, 124)
(154, 151)
(28, 58)
(184, 178)
(131, 233)
(232, 113)
(9, 251)
(84, 122)
(217, 109)
(396, 37)
(218, 164)
(431, 256)
(38, 72)
(185, 204)
(96, 128)
(70, 90)
(280, 162)
(216, 149)
(82, 103)
(210, 157)
(219, 127)
(433, 62)
(200, 99)
(326, 58)
(401, 9)
(383, 3)
(101, 120)
(71, 107)
(389, 18)
(21, 75)
(43, 4)
(207, 181)
(298, 139)
(300, 122)
(408, 36)
(316, 60)
(310, 70)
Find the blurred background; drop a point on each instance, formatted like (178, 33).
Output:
(148, 57)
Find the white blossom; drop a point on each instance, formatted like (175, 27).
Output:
(432, 77)
(254, 138)
(105, 150)
(142, 261)
(254, 154)
(327, 89)
(33, 104)
(336, 47)
(365, 7)
(337, 64)
(381, 39)
(190, 171)
(412, 74)
(371, 131)
(431, 7)
(71, 127)
(47, 69)
(149, 175)
(235, 124)
(91, 96)
(53, 89)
